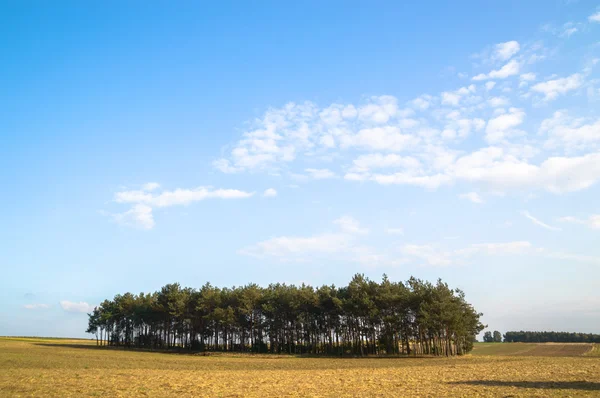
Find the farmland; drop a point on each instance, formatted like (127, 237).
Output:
(533, 349)
(46, 367)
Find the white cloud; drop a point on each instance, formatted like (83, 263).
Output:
(496, 102)
(141, 213)
(132, 197)
(36, 306)
(450, 98)
(150, 186)
(568, 31)
(322, 247)
(341, 246)
(179, 196)
(423, 102)
(350, 225)
(510, 69)
(571, 219)
(225, 166)
(570, 133)
(592, 221)
(320, 174)
(538, 222)
(269, 193)
(436, 256)
(431, 141)
(431, 255)
(284, 246)
(403, 178)
(387, 138)
(380, 110)
(344, 246)
(472, 196)
(528, 77)
(565, 31)
(571, 257)
(501, 170)
(81, 306)
(594, 17)
(453, 98)
(553, 88)
(505, 51)
(284, 134)
(369, 162)
(515, 247)
(306, 248)
(502, 126)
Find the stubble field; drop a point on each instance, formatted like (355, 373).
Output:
(75, 368)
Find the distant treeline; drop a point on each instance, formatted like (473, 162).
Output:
(550, 337)
(365, 317)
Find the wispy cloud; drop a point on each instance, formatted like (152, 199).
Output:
(434, 255)
(350, 225)
(344, 246)
(144, 201)
(594, 17)
(539, 222)
(592, 221)
(472, 196)
(79, 307)
(270, 193)
(150, 186)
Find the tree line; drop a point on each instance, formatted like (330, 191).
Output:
(550, 337)
(363, 318)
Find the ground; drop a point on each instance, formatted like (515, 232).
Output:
(76, 368)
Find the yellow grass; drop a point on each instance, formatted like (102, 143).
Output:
(63, 368)
(595, 351)
(533, 349)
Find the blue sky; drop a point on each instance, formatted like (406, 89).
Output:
(144, 144)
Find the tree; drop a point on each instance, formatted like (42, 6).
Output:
(364, 318)
(551, 337)
(487, 337)
(497, 337)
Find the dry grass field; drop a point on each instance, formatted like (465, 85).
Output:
(76, 368)
(533, 349)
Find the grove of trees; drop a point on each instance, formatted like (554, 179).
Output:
(363, 318)
(488, 337)
(550, 337)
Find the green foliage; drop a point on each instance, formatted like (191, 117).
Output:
(363, 318)
(551, 337)
(487, 337)
(497, 337)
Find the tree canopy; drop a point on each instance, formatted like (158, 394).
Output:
(550, 337)
(489, 337)
(362, 318)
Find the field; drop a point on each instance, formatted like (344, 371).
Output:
(75, 368)
(533, 349)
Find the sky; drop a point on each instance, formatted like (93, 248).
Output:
(148, 143)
